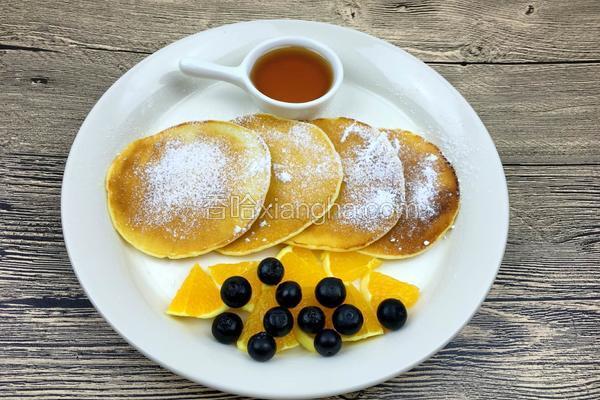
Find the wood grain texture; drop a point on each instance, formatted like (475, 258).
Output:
(509, 350)
(60, 89)
(434, 30)
(553, 249)
(529, 68)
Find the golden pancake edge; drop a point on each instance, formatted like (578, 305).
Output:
(432, 198)
(178, 193)
(372, 193)
(306, 179)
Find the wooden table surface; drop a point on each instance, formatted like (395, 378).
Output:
(531, 69)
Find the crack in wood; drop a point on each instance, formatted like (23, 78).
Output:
(517, 63)
(540, 299)
(48, 302)
(87, 47)
(472, 50)
(25, 48)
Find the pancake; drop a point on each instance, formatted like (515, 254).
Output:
(432, 198)
(177, 193)
(306, 179)
(372, 194)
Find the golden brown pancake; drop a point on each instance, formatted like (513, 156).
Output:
(372, 193)
(306, 178)
(179, 193)
(432, 198)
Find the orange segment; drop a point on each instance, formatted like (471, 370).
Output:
(247, 269)
(308, 299)
(220, 272)
(348, 266)
(377, 287)
(370, 326)
(301, 265)
(306, 341)
(252, 276)
(197, 297)
(254, 322)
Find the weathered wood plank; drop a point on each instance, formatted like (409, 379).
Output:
(59, 91)
(536, 114)
(553, 248)
(435, 30)
(526, 350)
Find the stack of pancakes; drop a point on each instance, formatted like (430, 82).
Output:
(240, 187)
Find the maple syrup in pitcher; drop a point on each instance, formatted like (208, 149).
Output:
(292, 74)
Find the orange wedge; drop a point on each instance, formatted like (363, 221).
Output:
(197, 297)
(247, 269)
(301, 265)
(220, 272)
(370, 326)
(377, 287)
(252, 276)
(306, 340)
(308, 299)
(254, 322)
(348, 266)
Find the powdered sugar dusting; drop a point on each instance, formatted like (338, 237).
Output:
(281, 173)
(284, 177)
(374, 179)
(423, 189)
(187, 176)
(257, 166)
(299, 138)
(188, 181)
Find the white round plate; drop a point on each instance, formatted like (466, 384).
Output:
(383, 86)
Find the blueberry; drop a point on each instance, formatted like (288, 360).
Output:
(311, 319)
(236, 291)
(288, 294)
(262, 346)
(278, 321)
(270, 271)
(330, 292)
(227, 327)
(347, 319)
(391, 313)
(328, 342)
